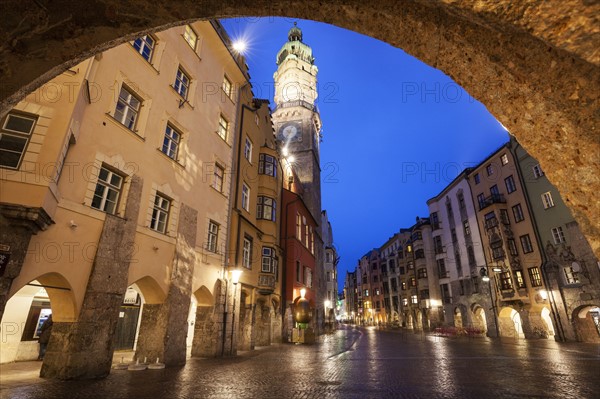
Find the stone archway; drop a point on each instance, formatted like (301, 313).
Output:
(479, 318)
(586, 320)
(510, 323)
(535, 66)
(27, 308)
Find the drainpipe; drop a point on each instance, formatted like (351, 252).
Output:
(545, 261)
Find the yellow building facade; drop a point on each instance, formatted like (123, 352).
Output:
(116, 194)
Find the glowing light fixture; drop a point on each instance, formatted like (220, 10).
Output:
(291, 158)
(235, 276)
(327, 304)
(302, 292)
(285, 152)
(544, 294)
(485, 278)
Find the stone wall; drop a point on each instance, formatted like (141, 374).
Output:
(164, 334)
(17, 225)
(84, 349)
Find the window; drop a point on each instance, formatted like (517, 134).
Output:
(248, 150)
(453, 235)
(461, 200)
(519, 279)
(441, 265)
(424, 294)
(298, 272)
(526, 244)
(404, 301)
(266, 208)
(245, 197)
(171, 141)
(510, 184)
(504, 159)
(466, 228)
(218, 178)
(413, 299)
(227, 86)
(299, 227)
(471, 256)
(127, 108)
(512, 247)
(190, 37)
(504, 216)
(481, 201)
(475, 283)
(182, 83)
(419, 253)
(506, 281)
(223, 127)
(269, 260)
(403, 285)
(537, 171)
(435, 222)
(312, 239)
(461, 287)
(572, 273)
(547, 200)
(213, 236)
(534, 277)
(413, 282)
(267, 165)
(160, 213)
(422, 273)
(437, 245)
(558, 235)
(107, 192)
(307, 277)
(494, 190)
(410, 266)
(518, 213)
(145, 46)
(498, 252)
(15, 135)
(477, 178)
(247, 253)
(489, 170)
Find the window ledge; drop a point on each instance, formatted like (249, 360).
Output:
(182, 101)
(219, 192)
(148, 63)
(122, 126)
(194, 50)
(175, 161)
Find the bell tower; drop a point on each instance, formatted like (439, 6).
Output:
(296, 117)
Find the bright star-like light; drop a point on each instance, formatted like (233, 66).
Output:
(240, 46)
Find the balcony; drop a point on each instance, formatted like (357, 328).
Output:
(266, 283)
(492, 199)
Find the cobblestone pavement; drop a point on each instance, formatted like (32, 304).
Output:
(350, 363)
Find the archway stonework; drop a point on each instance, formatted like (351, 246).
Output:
(534, 65)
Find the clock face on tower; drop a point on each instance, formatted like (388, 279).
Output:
(290, 131)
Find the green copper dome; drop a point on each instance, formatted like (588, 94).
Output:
(294, 46)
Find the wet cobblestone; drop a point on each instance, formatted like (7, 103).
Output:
(353, 363)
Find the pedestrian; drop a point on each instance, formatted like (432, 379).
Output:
(45, 336)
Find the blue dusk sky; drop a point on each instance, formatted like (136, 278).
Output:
(395, 130)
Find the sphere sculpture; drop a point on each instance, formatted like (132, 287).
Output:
(302, 312)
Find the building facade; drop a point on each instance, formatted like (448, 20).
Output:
(122, 167)
(255, 225)
(511, 249)
(459, 257)
(571, 270)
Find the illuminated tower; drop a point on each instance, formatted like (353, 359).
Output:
(296, 117)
